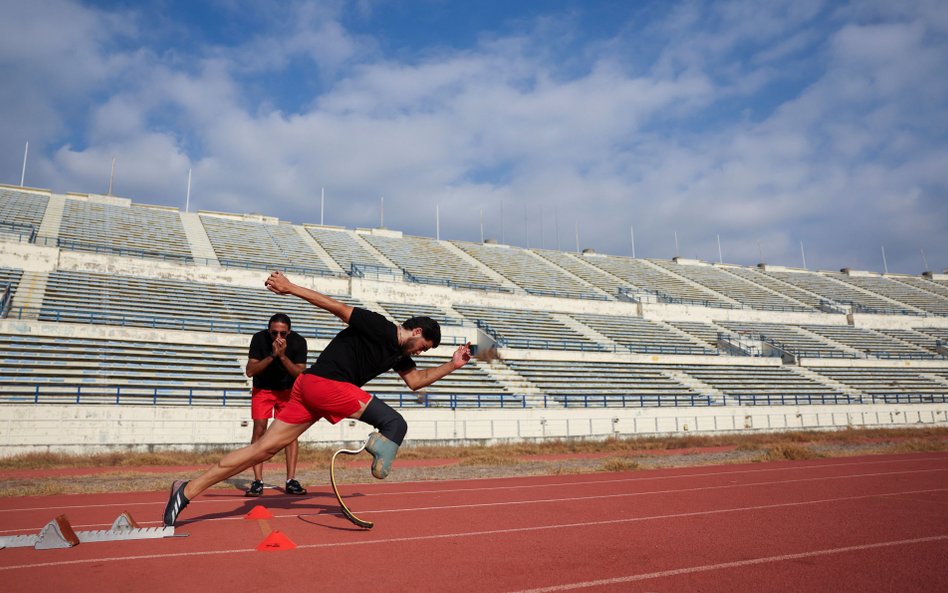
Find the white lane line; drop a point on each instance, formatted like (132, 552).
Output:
(480, 533)
(529, 501)
(725, 565)
(228, 499)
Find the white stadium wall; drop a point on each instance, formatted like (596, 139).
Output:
(97, 428)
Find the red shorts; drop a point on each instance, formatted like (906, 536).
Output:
(267, 403)
(314, 397)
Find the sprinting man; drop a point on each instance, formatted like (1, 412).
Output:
(331, 389)
(276, 358)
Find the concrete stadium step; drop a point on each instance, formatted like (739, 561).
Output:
(696, 385)
(586, 331)
(322, 253)
(53, 217)
(201, 249)
(481, 266)
(691, 282)
(831, 342)
(824, 380)
(935, 378)
(545, 262)
(512, 381)
(383, 259)
(671, 328)
(29, 293)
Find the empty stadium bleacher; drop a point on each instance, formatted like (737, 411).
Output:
(533, 274)
(641, 335)
(343, 248)
(738, 288)
(21, 214)
(581, 383)
(110, 299)
(527, 329)
(590, 350)
(42, 369)
(426, 261)
(246, 243)
(136, 231)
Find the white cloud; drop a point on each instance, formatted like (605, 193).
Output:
(605, 141)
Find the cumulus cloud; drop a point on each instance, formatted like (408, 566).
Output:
(765, 123)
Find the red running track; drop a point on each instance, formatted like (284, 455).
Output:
(843, 525)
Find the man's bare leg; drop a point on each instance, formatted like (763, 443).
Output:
(278, 436)
(292, 453)
(259, 427)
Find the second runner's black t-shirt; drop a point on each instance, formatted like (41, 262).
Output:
(362, 351)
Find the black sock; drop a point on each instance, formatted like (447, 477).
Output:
(389, 423)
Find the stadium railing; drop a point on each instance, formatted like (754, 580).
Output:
(283, 267)
(860, 308)
(374, 272)
(24, 233)
(409, 277)
(6, 296)
(454, 400)
(796, 399)
(910, 398)
(627, 401)
(568, 294)
(124, 394)
(543, 344)
(73, 245)
(211, 396)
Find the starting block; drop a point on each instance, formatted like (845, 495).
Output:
(58, 533)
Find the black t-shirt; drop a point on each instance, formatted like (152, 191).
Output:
(275, 376)
(362, 351)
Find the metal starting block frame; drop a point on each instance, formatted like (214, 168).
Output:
(58, 533)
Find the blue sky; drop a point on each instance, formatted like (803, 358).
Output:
(765, 123)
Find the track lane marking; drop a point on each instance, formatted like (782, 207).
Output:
(726, 565)
(530, 501)
(164, 499)
(484, 532)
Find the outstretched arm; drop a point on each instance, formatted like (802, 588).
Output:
(420, 378)
(280, 284)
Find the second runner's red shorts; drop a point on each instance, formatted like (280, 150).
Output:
(314, 397)
(267, 403)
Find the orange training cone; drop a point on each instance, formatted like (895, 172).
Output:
(259, 512)
(275, 542)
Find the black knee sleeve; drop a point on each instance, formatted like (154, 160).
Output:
(389, 423)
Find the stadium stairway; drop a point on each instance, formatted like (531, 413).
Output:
(590, 286)
(689, 281)
(29, 294)
(681, 333)
(935, 378)
(201, 249)
(895, 304)
(482, 267)
(832, 342)
(728, 270)
(695, 384)
(385, 261)
(584, 330)
(513, 382)
(315, 246)
(855, 394)
(53, 217)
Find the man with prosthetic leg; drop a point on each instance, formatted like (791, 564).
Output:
(332, 389)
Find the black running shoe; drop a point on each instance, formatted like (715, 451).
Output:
(176, 502)
(293, 487)
(256, 489)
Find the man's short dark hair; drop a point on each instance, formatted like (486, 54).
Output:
(430, 330)
(280, 318)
